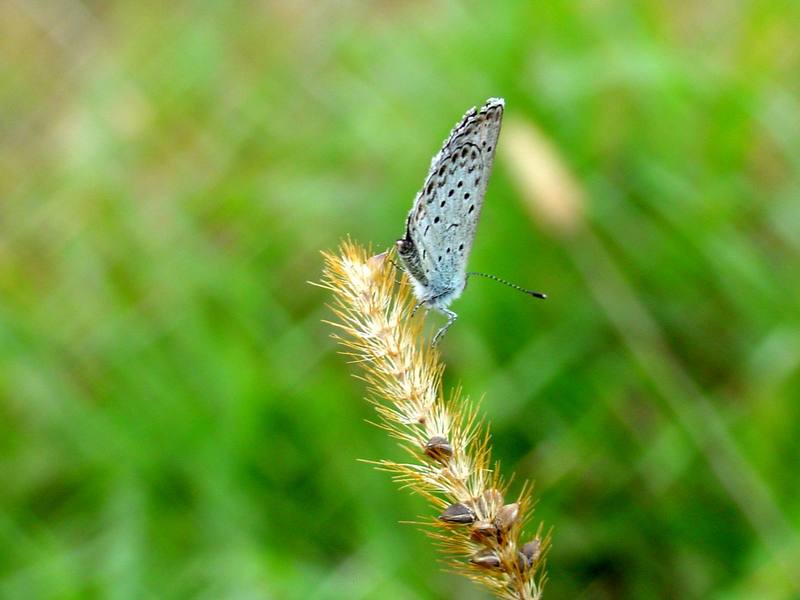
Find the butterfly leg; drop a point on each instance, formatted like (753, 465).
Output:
(396, 266)
(401, 269)
(451, 318)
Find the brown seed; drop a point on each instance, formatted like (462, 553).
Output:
(458, 514)
(486, 559)
(530, 552)
(507, 516)
(483, 530)
(439, 448)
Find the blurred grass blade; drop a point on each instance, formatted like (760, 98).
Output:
(549, 189)
(554, 196)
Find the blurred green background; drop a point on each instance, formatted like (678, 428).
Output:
(175, 421)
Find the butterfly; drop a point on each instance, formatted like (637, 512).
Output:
(440, 228)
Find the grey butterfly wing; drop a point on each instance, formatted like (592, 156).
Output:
(442, 222)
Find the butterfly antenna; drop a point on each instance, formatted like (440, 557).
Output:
(509, 284)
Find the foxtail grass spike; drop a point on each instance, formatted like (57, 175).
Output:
(450, 464)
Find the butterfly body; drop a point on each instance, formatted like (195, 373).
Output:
(441, 225)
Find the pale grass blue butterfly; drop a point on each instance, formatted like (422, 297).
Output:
(441, 226)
